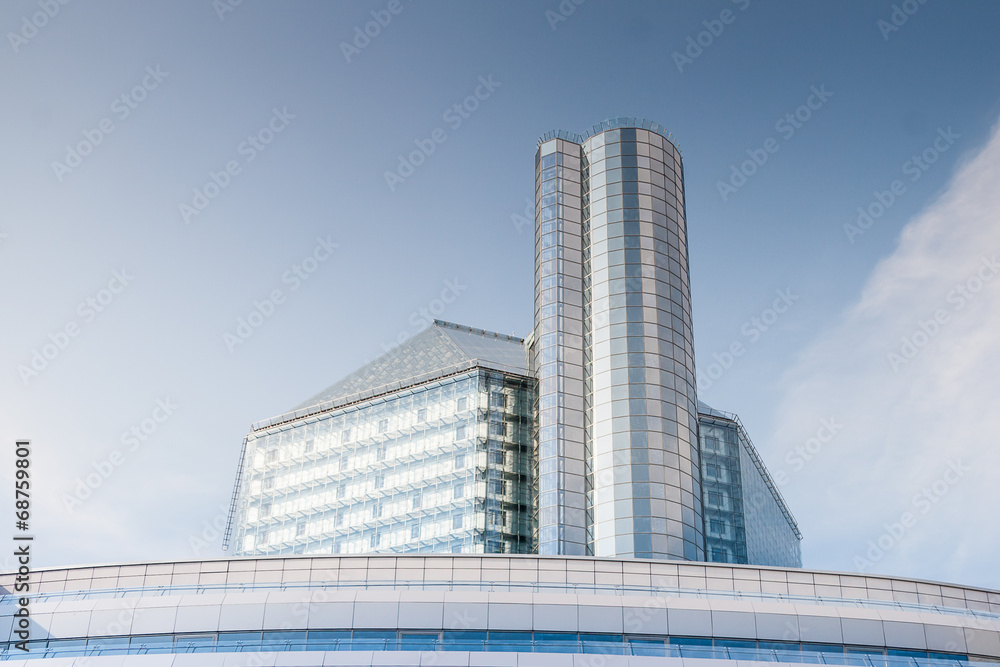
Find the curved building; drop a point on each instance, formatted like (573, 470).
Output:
(491, 610)
(613, 348)
(585, 440)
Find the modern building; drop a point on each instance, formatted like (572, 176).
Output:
(481, 500)
(613, 347)
(584, 440)
(746, 519)
(495, 610)
(426, 449)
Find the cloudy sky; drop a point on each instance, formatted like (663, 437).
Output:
(212, 210)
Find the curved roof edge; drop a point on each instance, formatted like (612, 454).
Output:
(610, 124)
(991, 596)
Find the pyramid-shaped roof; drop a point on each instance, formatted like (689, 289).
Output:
(440, 349)
(706, 409)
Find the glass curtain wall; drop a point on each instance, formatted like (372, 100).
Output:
(613, 329)
(442, 467)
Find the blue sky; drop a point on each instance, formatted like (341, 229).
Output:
(287, 135)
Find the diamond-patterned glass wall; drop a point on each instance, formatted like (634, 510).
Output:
(439, 467)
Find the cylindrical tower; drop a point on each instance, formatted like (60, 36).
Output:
(613, 327)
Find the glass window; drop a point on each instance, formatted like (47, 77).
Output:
(655, 647)
(143, 644)
(418, 641)
(602, 644)
(283, 640)
(463, 640)
(329, 640)
(556, 642)
(510, 642)
(107, 645)
(195, 644)
(374, 640)
(739, 650)
(239, 641)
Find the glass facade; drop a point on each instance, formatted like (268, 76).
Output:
(409, 609)
(746, 520)
(443, 466)
(591, 643)
(557, 352)
(584, 441)
(613, 325)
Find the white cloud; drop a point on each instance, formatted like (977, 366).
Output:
(912, 371)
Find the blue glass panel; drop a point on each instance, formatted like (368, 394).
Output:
(195, 644)
(556, 642)
(418, 641)
(368, 640)
(283, 640)
(655, 647)
(329, 640)
(510, 641)
(464, 641)
(603, 644)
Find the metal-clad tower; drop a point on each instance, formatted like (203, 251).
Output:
(613, 349)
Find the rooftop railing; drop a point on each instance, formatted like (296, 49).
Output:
(498, 586)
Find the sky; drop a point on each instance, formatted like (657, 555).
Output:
(214, 209)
